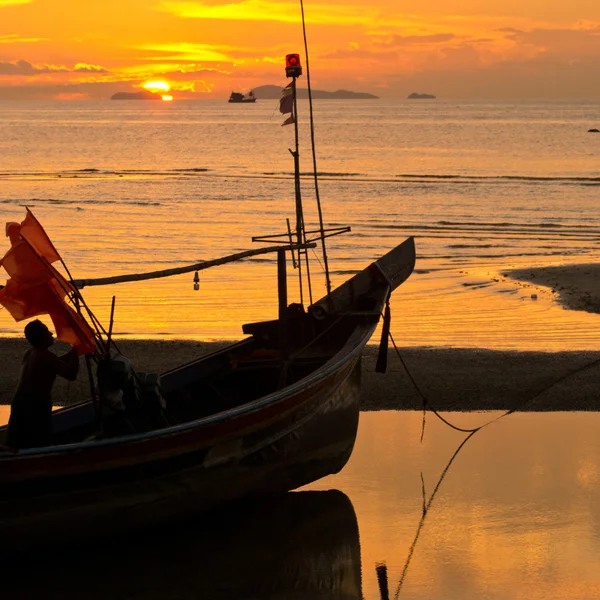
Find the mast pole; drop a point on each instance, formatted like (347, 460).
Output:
(314, 154)
(300, 228)
(298, 193)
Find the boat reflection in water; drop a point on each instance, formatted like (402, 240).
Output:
(297, 545)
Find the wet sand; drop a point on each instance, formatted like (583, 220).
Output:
(451, 379)
(577, 286)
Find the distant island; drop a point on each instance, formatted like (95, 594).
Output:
(143, 95)
(269, 92)
(415, 96)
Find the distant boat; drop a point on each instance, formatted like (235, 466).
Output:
(238, 97)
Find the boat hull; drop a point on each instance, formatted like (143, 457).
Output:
(272, 438)
(313, 440)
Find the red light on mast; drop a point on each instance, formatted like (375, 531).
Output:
(292, 60)
(293, 68)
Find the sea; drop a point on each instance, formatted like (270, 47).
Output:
(135, 186)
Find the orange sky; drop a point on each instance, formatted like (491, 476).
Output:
(482, 49)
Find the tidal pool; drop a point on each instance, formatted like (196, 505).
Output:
(514, 514)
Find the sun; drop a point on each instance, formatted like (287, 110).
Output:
(157, 85)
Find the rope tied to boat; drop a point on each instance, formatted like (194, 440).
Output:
(381, 364)
(427, 404)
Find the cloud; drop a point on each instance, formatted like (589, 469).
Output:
(509, 30)
(459, 51)
(14, 2)
(362, 53)
(24, 68)
(85, 68)
(187, 51)
(567, 43)
(263, 10)
(193, 78)
(13, 38)
(420, 40)
(170, 70)
(193, 75)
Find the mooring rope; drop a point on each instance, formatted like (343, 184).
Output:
(471, 432)
(427, 403)
(427, 503)
(425, 511)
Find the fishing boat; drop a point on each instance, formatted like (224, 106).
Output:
(269, 414)
(239, 97)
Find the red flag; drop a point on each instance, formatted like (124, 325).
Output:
(289, 121)
(34, 233)
(35, 287)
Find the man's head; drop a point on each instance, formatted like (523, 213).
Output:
(38, 335)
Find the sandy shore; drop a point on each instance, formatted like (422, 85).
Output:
(577, 286)
(451, 379)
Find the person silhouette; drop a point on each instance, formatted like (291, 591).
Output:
(30, 423)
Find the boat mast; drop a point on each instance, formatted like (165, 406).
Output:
(293, 69)
(314, 155)
(304, 238)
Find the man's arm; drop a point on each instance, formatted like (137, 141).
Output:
(67, 366)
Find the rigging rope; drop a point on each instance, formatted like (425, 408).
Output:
(427, 404)
(314, 155)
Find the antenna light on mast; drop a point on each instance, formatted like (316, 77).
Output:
(293, 68)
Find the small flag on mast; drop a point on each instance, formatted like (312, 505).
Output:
(286, 103)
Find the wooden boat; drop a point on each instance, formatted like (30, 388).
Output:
(302, 545)
(239, 97)
(268, 414)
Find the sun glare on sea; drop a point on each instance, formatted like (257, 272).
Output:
(167, 98)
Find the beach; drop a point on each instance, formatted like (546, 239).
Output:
(451, 379)
(577, 287)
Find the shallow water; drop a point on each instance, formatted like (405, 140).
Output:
(482, 186)
(517, 515)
